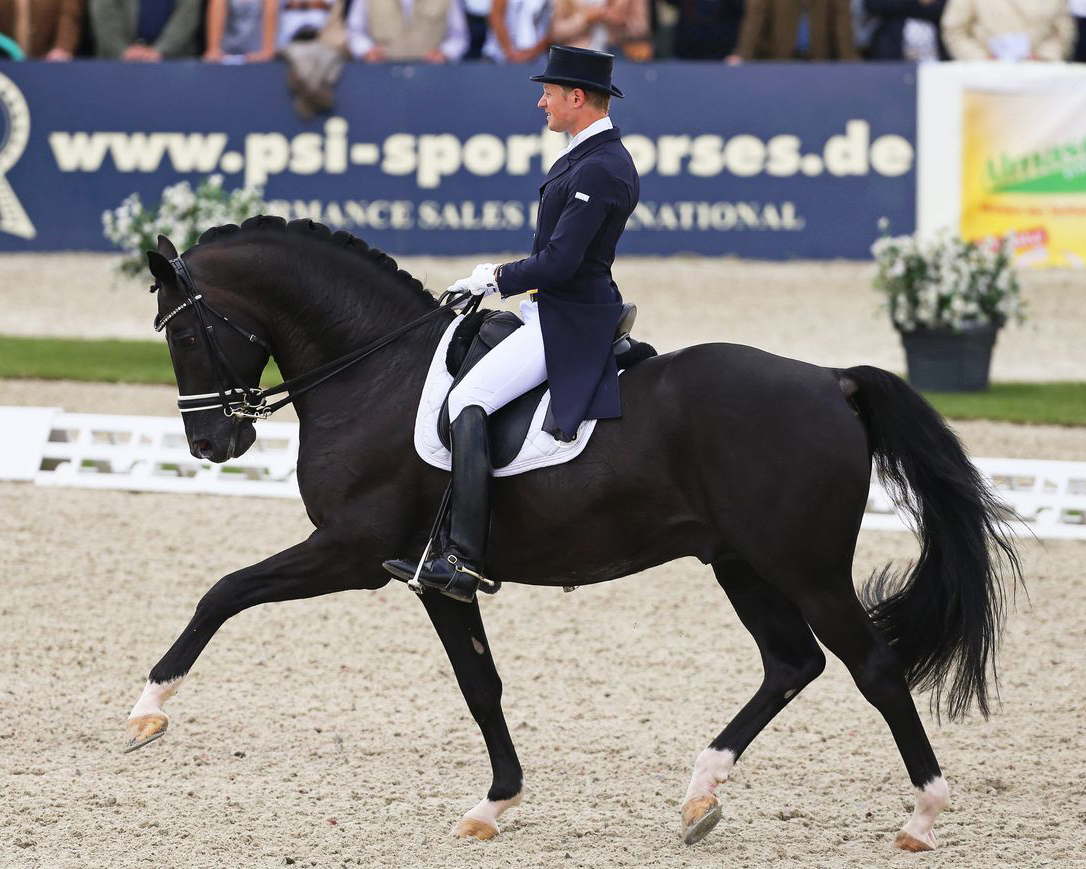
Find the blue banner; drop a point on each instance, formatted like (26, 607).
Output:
(767, 160)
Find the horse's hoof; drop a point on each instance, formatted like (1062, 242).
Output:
(470, 828)
(699, 816)
(143, 729)
(909, 842)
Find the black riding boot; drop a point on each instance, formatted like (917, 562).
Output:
(458, 570)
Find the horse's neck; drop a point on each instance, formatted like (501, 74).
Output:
(308, 334)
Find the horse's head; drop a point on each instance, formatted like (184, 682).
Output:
(216, 356)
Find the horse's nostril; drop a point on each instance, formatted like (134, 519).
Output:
(203, 447)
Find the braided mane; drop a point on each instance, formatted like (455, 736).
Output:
(310, 229)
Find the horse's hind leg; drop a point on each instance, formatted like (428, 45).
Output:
(460, 627)
(841, 623)
(791, 659)
(316, 566)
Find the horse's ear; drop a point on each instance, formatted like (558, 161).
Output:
(166, 248)
(161, 269)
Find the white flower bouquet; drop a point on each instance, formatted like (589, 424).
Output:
(182, 215)
(947, 283)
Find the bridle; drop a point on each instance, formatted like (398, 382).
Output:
(237, 400)
(250, 402)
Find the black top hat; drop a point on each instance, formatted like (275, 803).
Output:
(579, 68)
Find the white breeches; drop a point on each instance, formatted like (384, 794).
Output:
(508, 371)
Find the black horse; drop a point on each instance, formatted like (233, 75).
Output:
(756, 464)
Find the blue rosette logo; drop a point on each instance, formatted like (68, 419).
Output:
(14, 135)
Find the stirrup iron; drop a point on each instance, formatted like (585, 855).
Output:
(413, 583)
(443, 508)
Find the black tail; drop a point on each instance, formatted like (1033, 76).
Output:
(944, 618)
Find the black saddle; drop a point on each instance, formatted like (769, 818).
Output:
(481, 332)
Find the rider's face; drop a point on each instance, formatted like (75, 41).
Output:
(561, 105)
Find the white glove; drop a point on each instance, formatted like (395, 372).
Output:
(481, 282)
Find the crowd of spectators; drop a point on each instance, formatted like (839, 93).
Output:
(519, 31)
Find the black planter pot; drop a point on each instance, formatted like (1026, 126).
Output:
(942, 360)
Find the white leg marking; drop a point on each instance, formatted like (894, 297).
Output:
(488, 810)
(930, 802)
(482, 821)
(711, 770)
(154, 697)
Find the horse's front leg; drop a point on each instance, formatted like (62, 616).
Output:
(461, 630)
(319, 565)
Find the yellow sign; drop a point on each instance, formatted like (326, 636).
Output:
(1024, 172)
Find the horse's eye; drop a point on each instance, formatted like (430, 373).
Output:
(185, 341)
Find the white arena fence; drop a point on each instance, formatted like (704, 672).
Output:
(48, 447)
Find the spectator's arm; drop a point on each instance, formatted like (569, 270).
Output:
(359, 42)
(959, 18)
(180, 31)
(538, 49)
(216, 24)
(271, 32)
(497, 24)
(69, 27)
(456, 33)
(1060, 41)
(617, 11)
(635, 19)
(109, 28)
(568, 27)
(628, 25)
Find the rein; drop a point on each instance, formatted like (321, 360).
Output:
(250, 402)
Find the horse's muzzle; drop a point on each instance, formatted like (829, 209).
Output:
(226, 444)
(201, 449)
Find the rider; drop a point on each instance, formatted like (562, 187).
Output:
(570, 315)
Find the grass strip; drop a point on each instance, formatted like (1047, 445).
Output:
(1036, 403)
(110, 361)
(101, 361)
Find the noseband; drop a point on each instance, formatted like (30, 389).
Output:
(251, 402)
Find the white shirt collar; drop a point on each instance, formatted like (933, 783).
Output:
(592, 129)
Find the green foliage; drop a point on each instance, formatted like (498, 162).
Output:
(945, 282)
(182, 215)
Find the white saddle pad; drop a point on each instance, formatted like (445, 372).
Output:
(540, 450)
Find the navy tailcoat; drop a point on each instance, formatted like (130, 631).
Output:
(583, 206)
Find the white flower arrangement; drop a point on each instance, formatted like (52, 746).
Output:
(182, 215)
(945, 282)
